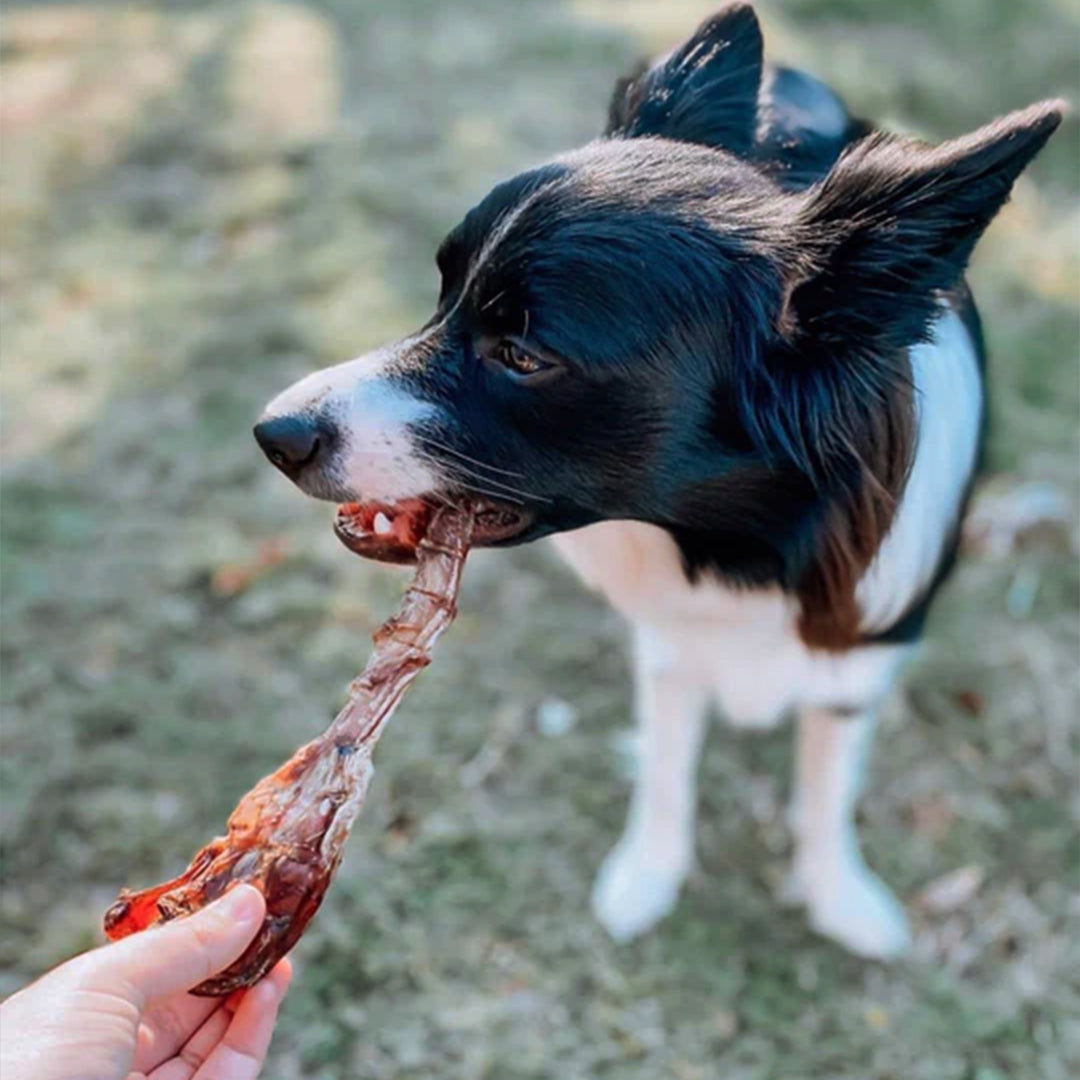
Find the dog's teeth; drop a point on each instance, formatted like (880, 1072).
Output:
(383, 524)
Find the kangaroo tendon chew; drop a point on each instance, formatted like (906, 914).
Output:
(287, 834)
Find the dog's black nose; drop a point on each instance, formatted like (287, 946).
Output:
(291, 442)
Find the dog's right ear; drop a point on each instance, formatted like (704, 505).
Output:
(704, 92)
(892, 226)
(880, 242)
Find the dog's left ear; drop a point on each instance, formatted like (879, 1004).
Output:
(892, 226)
(704, 92)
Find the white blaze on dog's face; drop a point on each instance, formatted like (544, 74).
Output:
(345, 433)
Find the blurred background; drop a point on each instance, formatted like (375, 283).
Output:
(203, 201)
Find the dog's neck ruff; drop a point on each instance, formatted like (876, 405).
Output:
(639, 567)
(949, 407)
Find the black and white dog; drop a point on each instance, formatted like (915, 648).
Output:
(727, 353)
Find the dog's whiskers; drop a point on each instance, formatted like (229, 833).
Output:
(479, 484)
(446, 449)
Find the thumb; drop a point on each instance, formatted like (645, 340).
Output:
(181, 954)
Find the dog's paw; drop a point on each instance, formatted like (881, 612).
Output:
(633, 893)
(859, 912)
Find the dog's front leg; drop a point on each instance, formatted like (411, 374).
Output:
(640, 880)
(844, 899)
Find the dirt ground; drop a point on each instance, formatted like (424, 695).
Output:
(203, 201)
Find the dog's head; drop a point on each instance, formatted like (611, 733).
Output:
(656, 327)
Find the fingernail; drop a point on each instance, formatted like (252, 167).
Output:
(266, 993)
(241, 904)
(282, 976)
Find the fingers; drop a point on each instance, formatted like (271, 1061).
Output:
(197, 1049)
(220, 1050)
(168, 1025)
(180, 954)
(242, 1050)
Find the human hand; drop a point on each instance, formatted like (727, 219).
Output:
(123, 1010)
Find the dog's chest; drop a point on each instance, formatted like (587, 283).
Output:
(741, 644)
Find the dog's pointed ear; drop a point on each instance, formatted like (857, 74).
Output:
(892, 226)
(704, 92)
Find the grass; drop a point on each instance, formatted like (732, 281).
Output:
(194, 214)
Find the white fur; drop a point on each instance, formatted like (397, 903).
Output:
(640, 880)
(845, 900)
(375, 458)
(741, 648)
(949, 405)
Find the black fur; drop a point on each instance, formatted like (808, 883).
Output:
(724, 290)
(717, 90)
(705, 92)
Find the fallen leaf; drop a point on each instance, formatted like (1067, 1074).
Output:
(233, 578)
(725, 1024)
(876, 1018)
(971, 701)
(1002, 521)
(932, 816)
(951, 891)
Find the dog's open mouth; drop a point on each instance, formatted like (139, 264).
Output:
(391, 532)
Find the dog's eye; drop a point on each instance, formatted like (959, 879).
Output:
(518, 362)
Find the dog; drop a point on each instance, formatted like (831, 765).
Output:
(725, 354)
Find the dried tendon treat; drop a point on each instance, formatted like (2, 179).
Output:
(287, 834)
